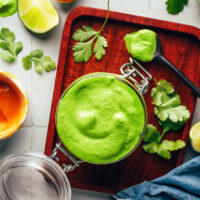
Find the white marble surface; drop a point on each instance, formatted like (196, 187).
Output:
(32, 136)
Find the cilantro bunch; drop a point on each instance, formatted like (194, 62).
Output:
(86, 37)
(174, 7)
(10, 49)
(41, 62)
(171, 115)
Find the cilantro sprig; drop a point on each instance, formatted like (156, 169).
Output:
(171, 115)
(86, 37)
(10, 49)
(153, 144)
(168, 106)
(174, 7)
(41, 62)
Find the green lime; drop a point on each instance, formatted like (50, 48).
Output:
(195, 137)
(39, 16)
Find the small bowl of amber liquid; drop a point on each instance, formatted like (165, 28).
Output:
(13, 105)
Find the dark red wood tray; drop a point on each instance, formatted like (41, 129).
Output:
(180, 45)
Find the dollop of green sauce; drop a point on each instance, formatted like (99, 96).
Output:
(141, 44)
(8, 7)
(100, 119)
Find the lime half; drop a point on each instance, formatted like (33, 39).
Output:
(39, 16)
(195, 137)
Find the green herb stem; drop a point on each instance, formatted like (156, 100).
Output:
(86, 37)
(158, 105)
(108, 5)
(155, 81)
(163, 133)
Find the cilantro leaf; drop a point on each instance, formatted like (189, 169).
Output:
(36, 53)
(8, 45)
(151, 134)
(85, 34)
(99, 46)
(167, 101)
(172, 145)
(41, 62)
(175, 114)
(153, 143)
(44, 63)
(175, 6)
(39, 69)
(35, 60)
(150, 147)
(4, 46)
(48, 64)
(169, 125)
(161, 91)
(18, 46)
(162, 85)
(163, 152)
(27, 64)
(83, 51)
(7, 36)
(171, 115)
(86, 37)
(7, 56)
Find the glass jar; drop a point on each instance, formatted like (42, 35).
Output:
(32, 176)
(129, 73)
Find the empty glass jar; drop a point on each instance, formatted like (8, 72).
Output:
(32, 176)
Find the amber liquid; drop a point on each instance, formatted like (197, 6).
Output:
(66, 1)
(11, 104)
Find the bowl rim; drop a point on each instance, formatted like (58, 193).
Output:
(8, 133)
(118, 77)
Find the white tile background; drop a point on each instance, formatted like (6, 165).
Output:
(40, 87)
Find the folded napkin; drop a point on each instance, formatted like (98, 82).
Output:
(182, 183)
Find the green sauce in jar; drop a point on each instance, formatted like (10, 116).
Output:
(100, 119)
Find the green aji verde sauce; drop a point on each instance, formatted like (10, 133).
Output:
(141, 44)
(100, 119)
(8, 7)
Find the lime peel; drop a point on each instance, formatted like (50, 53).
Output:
(195, 137)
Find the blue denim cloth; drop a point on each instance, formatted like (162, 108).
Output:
(182, 183)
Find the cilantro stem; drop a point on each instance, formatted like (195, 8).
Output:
(86, 37)
(155, 81)
(160, 106)
(108, 5)
(163, 133)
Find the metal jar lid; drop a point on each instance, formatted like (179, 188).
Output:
(32, 176)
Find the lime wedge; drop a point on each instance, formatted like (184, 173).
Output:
(39, 16)
(195, 137)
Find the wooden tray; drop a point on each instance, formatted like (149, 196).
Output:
(180, 45)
